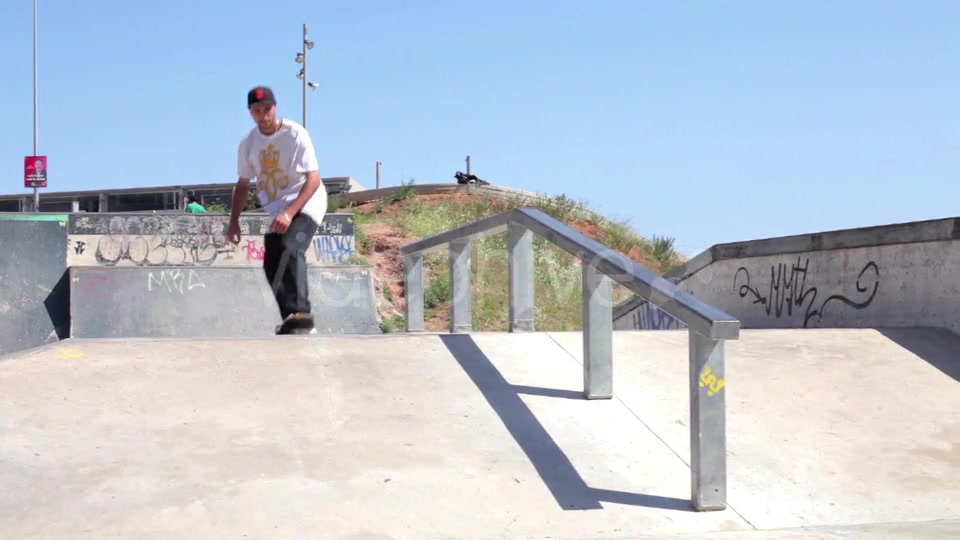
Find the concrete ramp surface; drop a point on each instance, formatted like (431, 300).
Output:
(832, 434)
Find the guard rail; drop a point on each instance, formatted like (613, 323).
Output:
(707, 326)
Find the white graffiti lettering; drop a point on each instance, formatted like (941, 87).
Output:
(174, 280)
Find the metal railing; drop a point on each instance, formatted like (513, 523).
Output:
(708, 326)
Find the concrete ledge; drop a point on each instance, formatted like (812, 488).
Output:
(204, 302)
(936, 230)
(881, 235)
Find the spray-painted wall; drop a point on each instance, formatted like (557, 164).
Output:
(35, 304)
(191, 240)
(894, 276)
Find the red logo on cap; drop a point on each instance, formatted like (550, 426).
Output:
(259, 93)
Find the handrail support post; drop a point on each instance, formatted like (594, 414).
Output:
(708, 446)
(520, 266)
(597, 333)
(461, 303)
(413, 285)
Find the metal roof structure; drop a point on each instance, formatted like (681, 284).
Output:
(143, 198)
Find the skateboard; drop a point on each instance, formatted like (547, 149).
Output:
(297, 325)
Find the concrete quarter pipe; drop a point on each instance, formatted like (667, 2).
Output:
(902, 275)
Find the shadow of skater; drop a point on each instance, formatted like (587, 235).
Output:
(553, 466)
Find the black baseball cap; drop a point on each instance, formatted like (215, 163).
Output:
(260, 94)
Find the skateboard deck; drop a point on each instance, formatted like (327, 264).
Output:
(296, 327)
(298, 331)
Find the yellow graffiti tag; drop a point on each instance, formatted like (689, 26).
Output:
(68, 354)
(708, 379)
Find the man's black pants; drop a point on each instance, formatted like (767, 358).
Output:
(285, 264)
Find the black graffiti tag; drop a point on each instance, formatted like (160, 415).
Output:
(649, 317)
(788, 290)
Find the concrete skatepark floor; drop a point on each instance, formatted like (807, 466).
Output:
(831, 434)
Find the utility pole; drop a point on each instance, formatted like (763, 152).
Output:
(302, 59)
(36, 103)
(468, 164)
(378, 174)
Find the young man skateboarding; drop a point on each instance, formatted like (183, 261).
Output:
(280, 155)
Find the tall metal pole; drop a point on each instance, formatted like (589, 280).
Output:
(307, 83)
(378, 174)
(305, 79)
(36, 104)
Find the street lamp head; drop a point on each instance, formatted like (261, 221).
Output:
(308, 43)
(312, 84)
(299, 58)
(300, 75)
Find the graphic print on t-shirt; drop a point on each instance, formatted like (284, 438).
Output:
(272, 177)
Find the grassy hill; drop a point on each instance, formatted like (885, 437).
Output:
(385, 226)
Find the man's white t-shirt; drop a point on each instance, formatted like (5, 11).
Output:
(280, 163)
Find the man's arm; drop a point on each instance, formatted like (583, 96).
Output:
(240, 192)
(310, 187)
(245, 171)
(306, 163)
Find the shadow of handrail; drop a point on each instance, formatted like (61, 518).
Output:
(559, 475)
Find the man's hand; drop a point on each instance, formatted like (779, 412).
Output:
(310, 187)
(233, 232)
(281, 223)
(239, 201)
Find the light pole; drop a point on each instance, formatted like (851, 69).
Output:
(302, 59)
(36, 104)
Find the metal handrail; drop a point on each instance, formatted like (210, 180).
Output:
(695, 313)
(708, 326)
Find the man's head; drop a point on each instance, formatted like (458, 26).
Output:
(263, 106)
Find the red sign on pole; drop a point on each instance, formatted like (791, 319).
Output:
(35, 171)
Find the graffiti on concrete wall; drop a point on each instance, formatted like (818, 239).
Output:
(189, 239)
(253, 249)
(163, 240)
(649, 317)
(140, 224)
(787, 291)
(174, 281)
(334, 248)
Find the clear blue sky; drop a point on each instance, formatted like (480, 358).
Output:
(707, 121)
